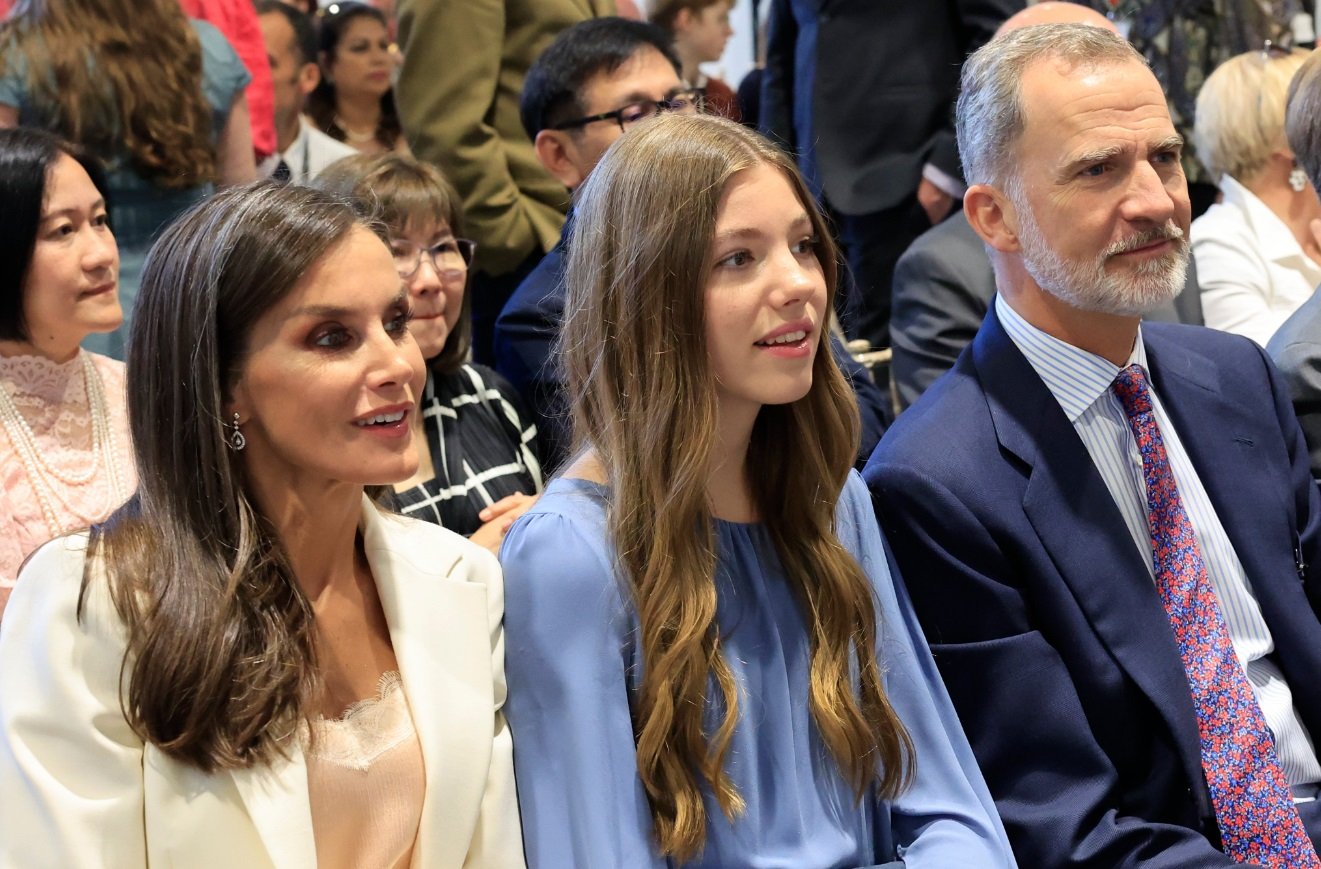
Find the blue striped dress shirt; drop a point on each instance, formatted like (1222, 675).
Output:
(1080, 382)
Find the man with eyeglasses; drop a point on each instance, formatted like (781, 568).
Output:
(595, 82)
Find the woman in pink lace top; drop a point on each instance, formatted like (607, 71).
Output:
(65, 458)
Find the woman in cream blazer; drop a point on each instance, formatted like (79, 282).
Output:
(184, 684)
(79, 788)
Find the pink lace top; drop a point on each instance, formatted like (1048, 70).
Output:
(366, 782)
(52, 399)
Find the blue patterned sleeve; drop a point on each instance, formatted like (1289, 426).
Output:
(567, 662)
(946, 817)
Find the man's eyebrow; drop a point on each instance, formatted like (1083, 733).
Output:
(1169, 143)
(1089, 158)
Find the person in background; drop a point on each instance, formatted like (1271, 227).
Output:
(1104, 522)
(709, 662)
(291, 45)
(700, 29)
(1257, 251)
(237, 20)
(250, 663)
(1296, 345)
(862, 92)
(354, 100)
(598, 80)
(65, 457)
(459, 88)
(479, 469)
(158, 96)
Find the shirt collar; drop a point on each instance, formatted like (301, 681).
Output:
(1275, 241)
(1074, 376)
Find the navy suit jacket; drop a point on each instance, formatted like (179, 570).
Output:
(1042, 615)
(525, 336)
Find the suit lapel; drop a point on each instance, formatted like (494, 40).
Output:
(276, 799)
(1220, 439)
(1076, 518)
(439, 628)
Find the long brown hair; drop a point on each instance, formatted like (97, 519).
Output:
(635, 360)
(118, 75)
(221, 658)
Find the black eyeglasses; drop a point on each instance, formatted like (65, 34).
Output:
(451, 255)
(686, 102)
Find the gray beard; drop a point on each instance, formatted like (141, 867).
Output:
(1088, 287)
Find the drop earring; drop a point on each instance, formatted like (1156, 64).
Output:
(235, 438)
(1297, 178)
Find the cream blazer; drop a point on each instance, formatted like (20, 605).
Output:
(78, 788)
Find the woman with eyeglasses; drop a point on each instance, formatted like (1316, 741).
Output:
(479, 470)
(354, 101)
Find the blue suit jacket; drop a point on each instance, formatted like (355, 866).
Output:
(1042, 615)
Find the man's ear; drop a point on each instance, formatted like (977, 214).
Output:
(557, 152)
(308, 78)
(683, 19)
(992, 216)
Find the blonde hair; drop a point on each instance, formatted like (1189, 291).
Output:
(634, 351)
(1240, 112)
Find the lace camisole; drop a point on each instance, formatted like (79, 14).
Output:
(366, 781)
(67, 456)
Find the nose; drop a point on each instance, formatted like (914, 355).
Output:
(1149, 199)
(426, 280)
(102, 252)
(795, 278)
(393, 361)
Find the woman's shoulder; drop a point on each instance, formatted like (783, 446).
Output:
(425, 546)
(564, 533)
(49, 595)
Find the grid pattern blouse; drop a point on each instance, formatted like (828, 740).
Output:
(483, 448)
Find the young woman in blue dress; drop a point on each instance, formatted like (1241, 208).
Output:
(710, 660)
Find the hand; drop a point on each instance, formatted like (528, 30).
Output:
(934, 201)
(498, 517)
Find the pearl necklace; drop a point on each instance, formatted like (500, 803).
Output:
(39, 471)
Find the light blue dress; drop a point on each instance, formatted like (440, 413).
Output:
(573, 665)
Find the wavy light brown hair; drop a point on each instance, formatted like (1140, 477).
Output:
(634, 352)
(221, 662)
(118, 76)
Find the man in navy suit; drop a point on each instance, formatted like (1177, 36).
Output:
(1034, 533)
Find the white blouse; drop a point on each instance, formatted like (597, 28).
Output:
(1251, 269)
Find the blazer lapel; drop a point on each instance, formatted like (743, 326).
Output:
(1220, 439)
(1076, 518)
(440, 631)
(276, 800)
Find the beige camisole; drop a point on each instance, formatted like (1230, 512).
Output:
(366, 782)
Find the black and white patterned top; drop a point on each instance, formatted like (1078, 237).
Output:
(483, 448)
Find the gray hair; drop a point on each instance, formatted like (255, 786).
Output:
(989, 116)
(1302, 123)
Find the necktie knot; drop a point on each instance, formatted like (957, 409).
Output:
(1131, 388)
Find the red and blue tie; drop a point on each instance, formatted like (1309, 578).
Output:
(1258, 821)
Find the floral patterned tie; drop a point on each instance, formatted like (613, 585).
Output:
(1258, 821)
